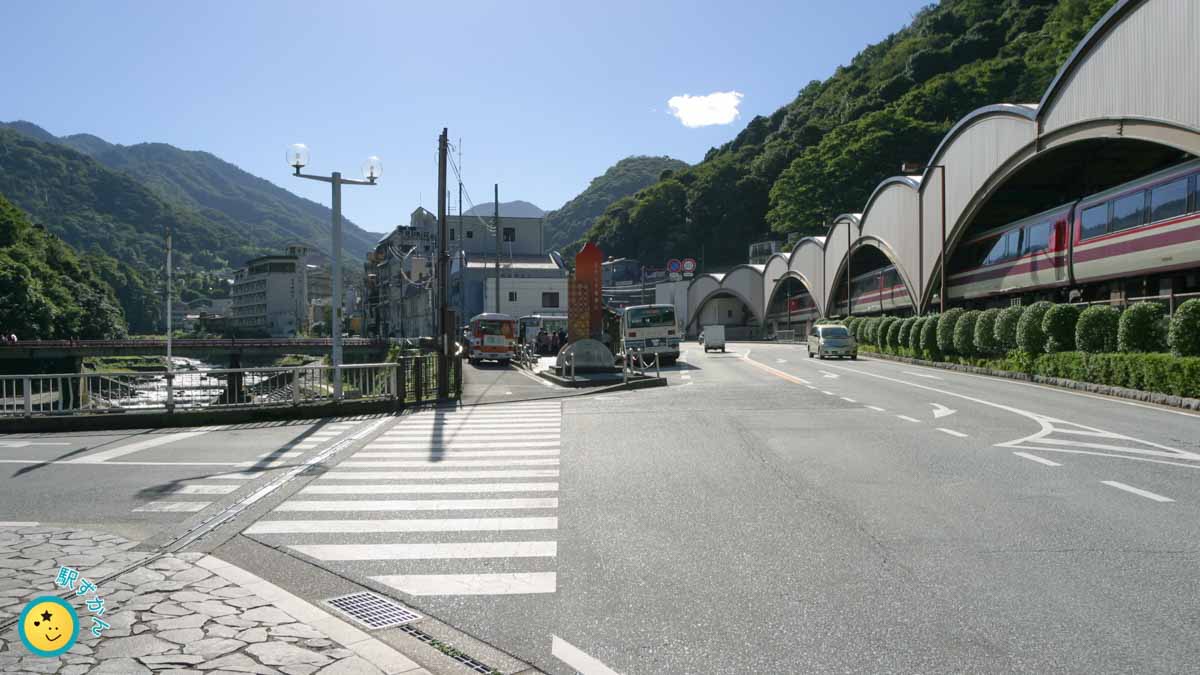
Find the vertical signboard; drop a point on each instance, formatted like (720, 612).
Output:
(585, 307)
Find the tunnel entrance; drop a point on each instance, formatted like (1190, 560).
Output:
(876, 286)
(791, 307)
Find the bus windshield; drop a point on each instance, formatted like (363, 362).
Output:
(646, 317)
(493, 327)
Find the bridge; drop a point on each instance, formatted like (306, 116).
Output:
(1125, 104)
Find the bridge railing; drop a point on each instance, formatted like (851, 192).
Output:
(410, 380)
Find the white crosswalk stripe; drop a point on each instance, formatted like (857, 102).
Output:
(445, 502)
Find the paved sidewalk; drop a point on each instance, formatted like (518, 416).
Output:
(181, 613)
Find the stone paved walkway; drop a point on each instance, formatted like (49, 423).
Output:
(181, 613)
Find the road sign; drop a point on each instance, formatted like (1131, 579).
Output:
(689, 265)
(676, 276)
(673, 265)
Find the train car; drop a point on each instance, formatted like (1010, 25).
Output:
(1145, 227)
(880, 291)
(1029, 255)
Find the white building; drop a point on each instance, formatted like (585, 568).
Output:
(269, 297)
(522, 296)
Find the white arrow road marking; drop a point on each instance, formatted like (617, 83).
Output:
(780, 360)
(573, 656)
(940, 411)
(832, 376)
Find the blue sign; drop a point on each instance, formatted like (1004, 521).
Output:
(674, 265)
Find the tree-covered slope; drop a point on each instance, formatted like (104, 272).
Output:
(567, 224)
(46, 290)
(823, 153)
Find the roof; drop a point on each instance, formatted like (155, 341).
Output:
(492, 316)
(517, 262)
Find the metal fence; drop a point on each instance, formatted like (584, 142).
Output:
(410, 380)
(1169, 301)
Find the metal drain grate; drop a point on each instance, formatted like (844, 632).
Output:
(473, 664)
(373, 611)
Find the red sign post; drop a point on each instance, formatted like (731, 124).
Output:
(585, 310)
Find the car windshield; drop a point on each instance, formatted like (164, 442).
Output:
(646, 317)
(834, 332)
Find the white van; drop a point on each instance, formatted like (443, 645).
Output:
(713, 338)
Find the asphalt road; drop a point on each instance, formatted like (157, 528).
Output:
(764, 513)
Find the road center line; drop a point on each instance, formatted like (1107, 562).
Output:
(1137, 491)
(848, 400)
(906, 418)
(1035, 458)
(957, 434)
(875, 408)
(575, 657)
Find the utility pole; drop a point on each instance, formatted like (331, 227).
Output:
(170, 362)
(496, 224)
(462, 269)
(443, 270)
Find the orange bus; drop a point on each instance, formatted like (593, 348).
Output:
(492, 338)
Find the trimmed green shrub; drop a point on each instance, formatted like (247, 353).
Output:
(866, 331)
(893, 338)
(905, 330)
(860, 329)
(1006, 327)
(985, 332)
(873, 324)
(1141, 329)
(1184, 335)
(1096, 330)
(945, 329)
(885, 331)
(850, 321)
(964, 332)
(1030, 336)
(929, 343)
(1163, 373)
(1059, 327)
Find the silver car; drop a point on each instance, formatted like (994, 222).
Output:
(832, 340)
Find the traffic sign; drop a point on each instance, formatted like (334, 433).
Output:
(673, 265)
(689, 265)
(676, 276)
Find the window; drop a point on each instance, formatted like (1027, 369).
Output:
(1037, 238)
(510, 234)
(549, 299)
(452, 233)
(512, 296)
(1094, 221)
(1128, 211)
(470, 234)
(1168, 201)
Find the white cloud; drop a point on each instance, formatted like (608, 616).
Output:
(719, 107)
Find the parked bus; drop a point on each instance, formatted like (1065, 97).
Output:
(492, 337)
(652, 329)
(531, 326)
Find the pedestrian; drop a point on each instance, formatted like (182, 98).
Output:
(12, 338)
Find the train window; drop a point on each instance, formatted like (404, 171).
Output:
(1168, 201)
(1094, 221)
(1128, 211)
(997, 253)
(1037, 238)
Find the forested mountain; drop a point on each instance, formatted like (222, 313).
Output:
(267, 215)
(513, 209)
(46, 290)
(823, 153)
(570, 222)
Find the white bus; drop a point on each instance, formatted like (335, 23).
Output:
(530, 326)
(652, 329)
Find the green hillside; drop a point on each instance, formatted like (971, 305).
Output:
(823, 153)
(46, 290)
(567, 224)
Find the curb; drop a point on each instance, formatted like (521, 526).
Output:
(380, 654)
(1157, 398)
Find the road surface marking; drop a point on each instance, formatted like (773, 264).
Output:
(153, 442)
(826, 373)
(940, 411)
(427, 429)
(240, 475)
(802, 380)
(956, 434)
(827, 393)
(774, 371)
(875, 408)
(286, 453)
(173, 507)
(780, 360)
(906, 418)
(454, 445)
(413, 525)
(471, 584)
(928, 377)
(418, 504)
(575, 658)
(1137, 491)
(426, 488)
(467, 436)
(848, 400)
(436, 475)
(25, 444)
(17, 523)
(1035, 458)
(535, 378)
(811, 387)
(458, 464)
(205, 489)
(458, 453)
(438, 551)
(686, 376)
(305, 446)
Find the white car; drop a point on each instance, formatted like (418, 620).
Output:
(831, 340)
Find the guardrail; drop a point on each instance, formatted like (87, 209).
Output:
(197, 343)
(1170, 300)
(410, 380)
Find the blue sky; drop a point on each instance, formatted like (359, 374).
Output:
(544, 95)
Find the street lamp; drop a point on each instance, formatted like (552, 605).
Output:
(372, 170)
(911, 168)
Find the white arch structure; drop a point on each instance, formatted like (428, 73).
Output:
(1135, 75)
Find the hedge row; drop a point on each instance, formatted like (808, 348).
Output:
(1040, 328)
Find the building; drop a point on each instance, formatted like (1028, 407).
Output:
(269, 297)
(530, 282)
(399, 279)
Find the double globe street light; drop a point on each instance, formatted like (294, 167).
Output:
(372, 169)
